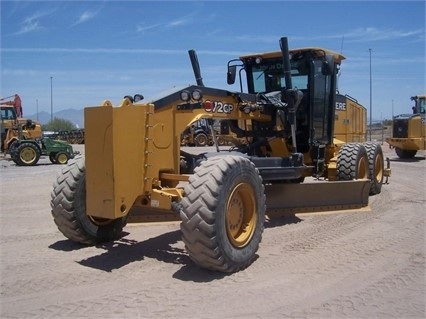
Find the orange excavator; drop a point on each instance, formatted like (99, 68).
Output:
(16, 102)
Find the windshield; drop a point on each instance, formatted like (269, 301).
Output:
(8, 113)
(421, 103)
(269, 76)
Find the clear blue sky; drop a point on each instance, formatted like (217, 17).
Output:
(97, 50)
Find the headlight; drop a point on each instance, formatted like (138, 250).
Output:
(197, 95)
(185, 96)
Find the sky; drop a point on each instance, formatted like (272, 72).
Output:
(72, 54)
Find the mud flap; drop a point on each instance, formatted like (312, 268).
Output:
(316, 196)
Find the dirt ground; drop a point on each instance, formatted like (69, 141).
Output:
(368, 264)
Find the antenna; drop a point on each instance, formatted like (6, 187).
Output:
(339, 73)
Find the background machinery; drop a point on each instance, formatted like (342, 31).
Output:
(198, 133)
(23, 138)
(16, 103)
(290, 162)
(13, 126)
(28, 152)
(408, 130)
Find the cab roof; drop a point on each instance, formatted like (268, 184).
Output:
(316, 51)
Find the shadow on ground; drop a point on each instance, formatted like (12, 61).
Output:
(124, 251)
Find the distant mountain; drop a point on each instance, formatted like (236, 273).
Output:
(74, 116)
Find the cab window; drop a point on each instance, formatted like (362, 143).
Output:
(269, 76)
(8, 114)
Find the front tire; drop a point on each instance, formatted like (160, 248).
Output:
(201, 139)
(221, 141)
(352, 162)
(62, 158)
(223, 213)
(68, 203)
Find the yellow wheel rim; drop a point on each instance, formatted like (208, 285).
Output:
(362, 169)
(62, 158)
(27, 155)
(378, 168)
(241, 215)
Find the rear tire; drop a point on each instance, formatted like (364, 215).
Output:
(68, 203)
(26, 154)
(405, 154)
(223, 213)
(201, 139)
(376, 166)
(352, 162)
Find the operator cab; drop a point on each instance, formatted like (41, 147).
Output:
(8, 113)
(420, 104)
(313, 72)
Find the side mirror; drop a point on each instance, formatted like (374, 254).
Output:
(138, 97)
(230, 75)
(328, 65)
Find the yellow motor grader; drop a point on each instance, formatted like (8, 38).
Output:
(134, 164)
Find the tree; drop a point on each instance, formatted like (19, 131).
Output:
(387, 122)
(58, 124)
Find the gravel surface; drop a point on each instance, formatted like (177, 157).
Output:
(368, 264)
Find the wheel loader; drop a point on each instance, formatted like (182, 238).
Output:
(408, 130)
(134, 165)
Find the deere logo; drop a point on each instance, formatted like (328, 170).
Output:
(341, 106)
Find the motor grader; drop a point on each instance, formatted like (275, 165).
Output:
(408, 130)
(134, 165)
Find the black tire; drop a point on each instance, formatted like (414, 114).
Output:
(15, 160)
(13, 154)
(12, 147)
(26, 154)
(68, 203)
(405, 154)
(221, 141)
(62, 158)
(352, 162)
(52, 157)
(201, 139)
(376, 164)
(223, 213)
